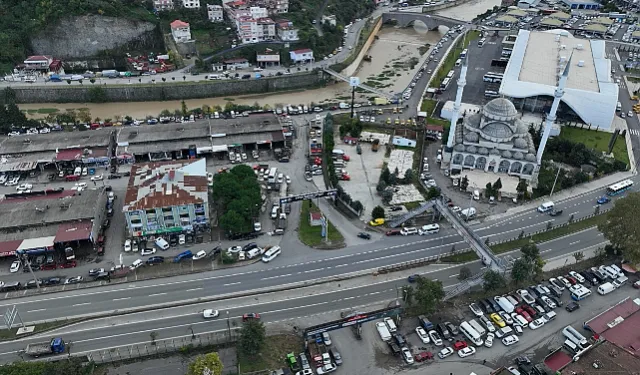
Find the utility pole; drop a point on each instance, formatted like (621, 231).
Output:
(353, 82)
(27, 263)
(554, 183)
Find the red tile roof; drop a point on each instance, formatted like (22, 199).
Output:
(74, 231)
(620, 325)
(37, 58)
(557, 360)
(316, 216)
(69, 155)
(605, 320)
(178, 24)
(301, 51)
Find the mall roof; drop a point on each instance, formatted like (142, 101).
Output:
(614, 315)
(603, 20)
(596, 27)
(516, 13)
(620, 325)
(537, 60)
(506, 19)
(610, 358)
(54, 141)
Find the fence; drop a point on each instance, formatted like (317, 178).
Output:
(172, 345)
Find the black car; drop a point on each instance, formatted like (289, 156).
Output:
(106, 223)
(246, 76)
(558, 301)
(364, 235)
(523, 360)
(555, 213)
(400, 339)
(155, 260)
(52, 281)
(573, 306)
(102, 276)
(173, 240)
(395, 208)
(249, 246)
(494, 305)
(452, 328)
(486, 306)
(443, 331)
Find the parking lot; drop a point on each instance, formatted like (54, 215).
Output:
(370, 355)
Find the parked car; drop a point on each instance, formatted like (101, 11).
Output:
(364, 235)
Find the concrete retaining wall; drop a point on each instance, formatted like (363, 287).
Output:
(443, 6)
(353, 67)
(166, 90)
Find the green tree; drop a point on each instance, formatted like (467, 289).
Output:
(493, 281)
(495, 188)
(428, 294)
(465, 273)
(387, 196)
(209, 363)
(521, 271)
(377, 213)
(433, 192)
(408, 176)
(183, 106)
(385, 175)
(382, 186)
(464, 183)
(252, 337)
(522, 188)
(531, 254)
(233, 222)
(578, 256)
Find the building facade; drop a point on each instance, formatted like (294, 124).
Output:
(301, 55)
(286, 32)
(268, 58)
(161, 5)
(181, 31)
(166, 197)
(191, 4)
(215, 13)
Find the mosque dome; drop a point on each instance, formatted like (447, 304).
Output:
(506, 154)
(520, 143)
(471, 137)
(483, 151)
(518, 155)
(500, 109)
(530, 157)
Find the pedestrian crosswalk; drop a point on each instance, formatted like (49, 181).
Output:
(635, 132)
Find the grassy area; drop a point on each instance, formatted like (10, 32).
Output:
(46, 111)
(412, 205)
(597, 140)
(310, 235)
(454, 54)
(428, 105)
(538, 238)
(437, 121)
(273, 355)
(10, 334)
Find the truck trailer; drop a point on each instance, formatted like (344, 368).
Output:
(54, 346)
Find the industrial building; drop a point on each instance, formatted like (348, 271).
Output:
(536, 65)
(44, 221)
(169, 197)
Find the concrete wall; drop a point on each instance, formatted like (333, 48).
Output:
(168, 90)
(443, 6)
(353, 67)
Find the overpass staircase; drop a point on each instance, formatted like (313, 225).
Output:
(411, 214)
(341, 77)
(465, 285)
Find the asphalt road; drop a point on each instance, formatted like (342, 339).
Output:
(102, 334)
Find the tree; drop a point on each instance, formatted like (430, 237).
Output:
(428, 294)
(384, 175)
(522, 188)
(387, 196)
(495, 189)
(493, 281)
(408, 176)
(433, 192)
(488, 192)
(464, 183)
(377, 213)
(183, 106)
(252, 337)
(521, 271)
(578, 256)
(382, 186)
(204, 362)
(465, 273)
(531, 255)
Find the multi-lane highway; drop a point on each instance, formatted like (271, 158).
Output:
(286, 270)
(112, 332)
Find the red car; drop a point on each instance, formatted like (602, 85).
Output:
(423, 356)
(345, 177)
(529, 310)
(525, 315)
(572, 280)
(459, 345)
(346, 157)
(69, 264)
(248, 316)
(393, 232)
(48, 267)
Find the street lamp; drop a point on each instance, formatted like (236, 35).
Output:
(228, 325)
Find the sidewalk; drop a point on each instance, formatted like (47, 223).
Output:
(565, 194)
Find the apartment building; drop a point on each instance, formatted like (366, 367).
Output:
(191, 4)
(181, 31)
(215, 13)
(161, 5)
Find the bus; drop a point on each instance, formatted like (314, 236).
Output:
(491, 94)
(493, 77)
(463, 54)
(272, 175)
(450, 74)
(471, 334)
(445, 83)
(481, 42)
(429, 229)
(619, 188)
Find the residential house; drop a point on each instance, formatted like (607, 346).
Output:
(191, 4)
(330, 20)
(235, 64)
(214, 13)
(161, 5)
(268, 58)
(181, 31)
(42, 63)
(301, 55)
(286, 32)
(255, 30)
(166, 197)
(277, 6)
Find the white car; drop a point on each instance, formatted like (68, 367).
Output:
(127, 245)
(22, 187)
(147, 252)
(435, 337)
(537, 323)
(422, 334)
(555, 282)
(526, 296)
(488, 341)
(468, 351)
(476, 310)
(510, 340)
(288, 179)
(15, 266)
(97, 178)
(549, 302)
(577, 276)
(199, 255)
(517, 318)
(406, 354)
(134, 247)
(234, 249)
(331, 367)
(182, 239)
(564, 281)
(81, 186)
(210, 313)
(507, 319)
(210, 179)
(444, 353)
(326, 339)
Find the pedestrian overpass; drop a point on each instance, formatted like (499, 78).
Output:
(341, 77)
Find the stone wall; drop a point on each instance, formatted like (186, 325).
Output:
(166, 90)
(353, 67)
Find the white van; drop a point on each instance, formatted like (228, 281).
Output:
(216, 115)
(136, 264)
(609, 272)
(213, 77)
(253, 253)
(408, 231)
(458, 62)
(77, 171)
(620, 281)
(571, 346)
(617, 270)
(162, 243)
(545, 207)
(271, 254)
(338, 152)
(274, 212)
(606, 288)
(476, 195)
(468, 213)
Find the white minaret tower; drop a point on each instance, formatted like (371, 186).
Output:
(551, 117)
(462, 81)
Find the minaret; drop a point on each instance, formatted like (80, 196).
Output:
(456, 105)
(551, 117)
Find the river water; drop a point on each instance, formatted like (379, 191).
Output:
(391, 53)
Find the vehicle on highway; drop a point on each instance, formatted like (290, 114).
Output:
(413, 278)
(435, 338)
(406, 355)
(603, 200)
(409, 231)
(49, 347)
(466, 352)
(15, 266)
(422, 334)
(250, 316)
(364, 235)
(210, 313)
(376, 222)
(510, 340)
(95, 271)
(555, 213)
(74, 280)
(444, 353)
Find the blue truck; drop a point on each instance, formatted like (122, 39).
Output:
(55, 78)
(187, 254)
(54, 346)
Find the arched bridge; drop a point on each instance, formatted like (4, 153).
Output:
(432, 22)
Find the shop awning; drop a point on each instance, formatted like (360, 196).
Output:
(37, 243)
(8, 248)
(74, 231)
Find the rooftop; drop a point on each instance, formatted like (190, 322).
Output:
(166, 184)
(620, 325)
(54, 141)
(177, 24)
(17, 214)
(608, 358)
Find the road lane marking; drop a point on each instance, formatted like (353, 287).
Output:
(573, 243)
(454, 275)
(120, 299)
(82, 304)
(229, 284)
(276, 277)
(192, 289)
(157, 294)
(35, 310)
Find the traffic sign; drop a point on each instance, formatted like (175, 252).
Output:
(354, 81)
